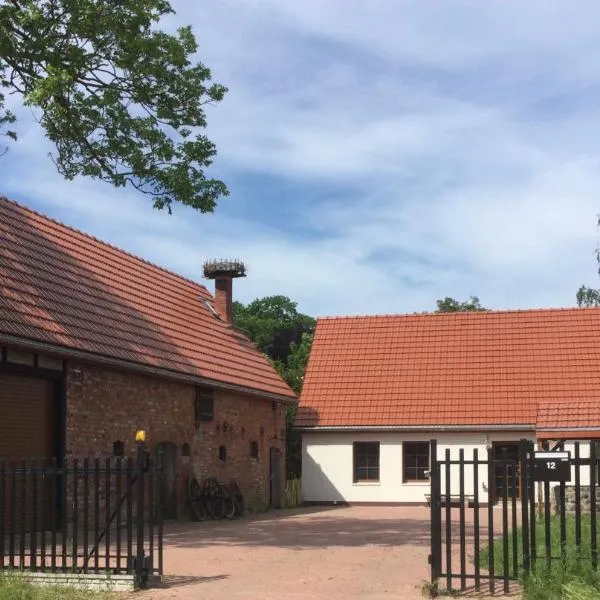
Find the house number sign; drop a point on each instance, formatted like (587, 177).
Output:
(552, 466)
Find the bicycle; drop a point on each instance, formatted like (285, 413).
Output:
(196, 499)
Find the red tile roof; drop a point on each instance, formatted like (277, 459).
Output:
(455, 369)
(65, 288)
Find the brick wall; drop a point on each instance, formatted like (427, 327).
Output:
(106, 405)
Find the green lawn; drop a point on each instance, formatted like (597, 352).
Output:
(571, 578)
(14, 587)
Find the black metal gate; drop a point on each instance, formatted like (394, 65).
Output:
(492, 519)
(83, 515)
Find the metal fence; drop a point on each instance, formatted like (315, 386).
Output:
(82, 515)
(497, 516)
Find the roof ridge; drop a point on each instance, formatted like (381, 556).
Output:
(460, 314)
(113, 247)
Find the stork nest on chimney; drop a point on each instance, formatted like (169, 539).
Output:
(224, 268)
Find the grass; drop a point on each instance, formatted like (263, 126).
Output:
(571, 577)
(16, 587)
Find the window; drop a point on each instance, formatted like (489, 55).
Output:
(118, 448)
(415, 461)
(185, 450)
(204, 405)
(254, 450)
(366, 461)
(223, 453)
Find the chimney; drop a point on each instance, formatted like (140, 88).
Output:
(224, 272)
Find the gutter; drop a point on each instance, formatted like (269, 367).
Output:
(407, 428)
(99, 359)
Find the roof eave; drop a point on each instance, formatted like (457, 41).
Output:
(66, 352)
(409, 428)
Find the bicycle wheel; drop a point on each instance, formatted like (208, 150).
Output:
(213, 498)
(196, 498)
(228, 503)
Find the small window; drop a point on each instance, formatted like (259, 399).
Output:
(366, 461)
(185, 450)
(204, 405)
(223, 453)
(118, 448)
(254, 450)
(415, 461)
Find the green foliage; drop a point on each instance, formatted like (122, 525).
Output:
(451, 305)
(16, 587)
(575, 575)
(588, 297)
(121, 100)
(274, 324)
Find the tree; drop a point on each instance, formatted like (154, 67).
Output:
(451, 305)
(121, 100)
(274, 324)
(587, 297)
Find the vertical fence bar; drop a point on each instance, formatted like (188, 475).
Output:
(505, 559)
(151, 515)
(547, 524)
(55, 501)
(491, 491)
(64, 484)
(523, 464)
(435, 517)
(129, 492)
(2, 511)
(563, 521)
(86, 512)
(33, 521)
(577, 496)
(532, 511)
(476, 518)
(75, 519)
(107, 492)
(43, 508)
(96, 549)
(13, 515)
(23, 510)
(448, 524)
(159, 509)
(514, 537)
(139, 561)
(119, 477)
(461, 495)
(593, 533)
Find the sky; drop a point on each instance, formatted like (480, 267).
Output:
(379, 155)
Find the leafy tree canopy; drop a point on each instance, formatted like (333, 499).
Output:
(587, 297)
(273, 323)
(121, 100)
(451, 305)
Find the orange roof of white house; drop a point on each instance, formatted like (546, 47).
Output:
(529, 368)
(66, 289)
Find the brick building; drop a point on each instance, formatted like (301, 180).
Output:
(96, 344)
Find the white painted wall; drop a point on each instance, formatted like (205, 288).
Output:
(327, 465)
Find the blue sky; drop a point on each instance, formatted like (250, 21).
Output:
(379, 155)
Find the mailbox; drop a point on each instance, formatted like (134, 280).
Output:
(552, 466)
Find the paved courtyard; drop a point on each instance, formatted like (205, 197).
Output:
(349, 553)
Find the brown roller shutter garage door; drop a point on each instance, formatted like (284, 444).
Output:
(26, 417)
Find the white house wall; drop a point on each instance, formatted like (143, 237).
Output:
(327, 465)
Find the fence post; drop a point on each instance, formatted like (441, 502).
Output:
(524, 464)
(435, 513)
(139, 562)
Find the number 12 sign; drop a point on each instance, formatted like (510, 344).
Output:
(552, 466)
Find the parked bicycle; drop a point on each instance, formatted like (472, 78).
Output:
(214, 499)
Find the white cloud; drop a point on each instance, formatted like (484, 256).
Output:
(431, 114)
